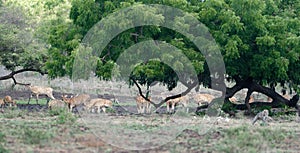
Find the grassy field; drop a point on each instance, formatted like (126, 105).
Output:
(32, 101)
(23, 130)
(58, 130)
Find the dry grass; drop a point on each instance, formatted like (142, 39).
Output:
(60, 131)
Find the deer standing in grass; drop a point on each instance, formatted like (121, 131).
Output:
(8, 100)
(2, 103)
(264, 116)
(173, 102)
(143, 104)
(203, 98)
(99, 103)
(55, 103)
(39, 90)
(75, 101)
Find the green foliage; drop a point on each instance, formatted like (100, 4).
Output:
(258, 39)
(2, 140)
(10, 113)
(256, 110)
(228, 107)
(65, 117)
(153, 71)
(85, 13)
(24, 32)
(140, 127)
(57, 111)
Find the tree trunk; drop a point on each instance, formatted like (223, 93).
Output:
(252, 86)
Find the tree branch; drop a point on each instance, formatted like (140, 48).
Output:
(141, 93)
(190, 87)
(13, 73)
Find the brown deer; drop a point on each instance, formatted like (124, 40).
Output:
(2, 103)
(203, 98)
(99, 103)
(233, 99)
(39, 90)
(75, 101)
(184, 100)
(56, 104)
(8, 100)
(143, 104)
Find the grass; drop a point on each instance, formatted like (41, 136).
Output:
(30, 130)
(22, 130)
(2, 141)
(247, 139)
(35, 136)
(241, 138)
(42, 101)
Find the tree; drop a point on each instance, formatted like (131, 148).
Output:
(259, 41)
(260, 44)
(23, 33)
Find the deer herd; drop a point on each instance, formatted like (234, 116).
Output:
(101, 104)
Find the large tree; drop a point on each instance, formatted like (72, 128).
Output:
(259, 41)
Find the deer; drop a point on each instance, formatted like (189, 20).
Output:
(2, 103)
(99, 103)
(39, 90)
(75, 101)
(180, 100)
(143, 104)
(233, 99)
(251, 100)
(8, 100)
(264, 116)
(285, 95)
(55, 103)
(203, 98)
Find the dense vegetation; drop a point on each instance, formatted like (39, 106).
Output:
(259, 41)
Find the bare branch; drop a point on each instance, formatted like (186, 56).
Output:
(190, 87)
(141, 93)
(13, 73)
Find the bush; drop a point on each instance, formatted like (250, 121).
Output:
(32, 136)
(65, 117)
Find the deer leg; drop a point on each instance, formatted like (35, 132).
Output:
(37, 97)
(148, 108)
(29, 98)
(70, 108)
(173, 107)
(144, 107)
(139, 108)
(47, 101)
(104, 109)
(168, 108)
(98, 109)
